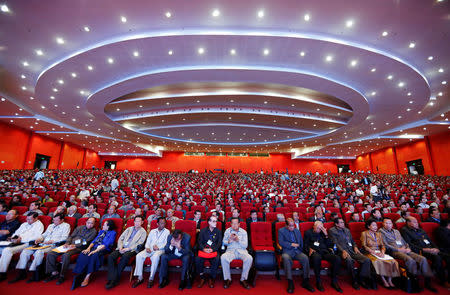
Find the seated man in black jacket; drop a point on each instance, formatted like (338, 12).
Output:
(9, 226)
(318, 246)
(209, 242)
(178, 247)
(420, 243)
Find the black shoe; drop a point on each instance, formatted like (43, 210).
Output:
(355, 285)
(163, 283)
(136, 283)
(291, 287)
(365, 285)
(60, 280)
(150, 283)
(50, 278)
(308, 286)
(226, 284)
(111, 284)
(431, 288)
(182, 285)
(336, 287)
(320, 287)
(21, 276)
(76, 281)
(244, 284)
(373, 284)
(3, 276)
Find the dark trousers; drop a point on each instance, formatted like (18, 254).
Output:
(364, 265)
(288, 261)
(164, 267)
(334, 260)
(200, 265)
(114, 271)
(438, 266)
(51, 262)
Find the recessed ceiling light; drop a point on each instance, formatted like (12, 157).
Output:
(60, 81)
(39, 52)
(3, 99)
(431, 103)
(408, 110)
(31, 97)
(55, 89)
(307, 17)
(201, 50)
(60, 40)
(444, 82)
(52, 97)
(90, 68)
(385, 33)
(412, 45)
(123, 19)
(25, 64)
(74, 119)
(24, 88)
(215, 12)
(374, 92)
(265, 102)
(110, 60)
(411, 102)
(74, 75)
(42, 107)
(22, 76)
(82, 92)
(135, 53)
(441, 70)
(353, 63)
(302, 53)
(399, 117)
(440, 94)
(349, 23)
(401, 84)
(373, 70)
(328, 58)
(390, 77)
(4, 8)
(233, 51)
(261, 13)
(168, 14)
(430, 57)
(170, 52)
(86, 29)
(266, 51)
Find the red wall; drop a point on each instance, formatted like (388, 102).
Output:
(18, 149)
(177, 161)
(362, 163)
(12, 146)
(440, 152)
(383, 161)
(92, 159)
(413, 151)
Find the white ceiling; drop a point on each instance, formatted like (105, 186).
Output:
(272, 76)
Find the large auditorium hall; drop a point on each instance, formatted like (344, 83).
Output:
(253, 147)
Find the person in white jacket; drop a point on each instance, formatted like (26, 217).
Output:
(56, 233)
(154, 248)
(28, 232)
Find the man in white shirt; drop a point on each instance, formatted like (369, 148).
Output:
(27, 232)
(359, 192)
(154, 248)
(38, 175)
(423, 203)
(56, 233)
(114, 184)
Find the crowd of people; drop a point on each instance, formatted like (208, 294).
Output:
(311, 216)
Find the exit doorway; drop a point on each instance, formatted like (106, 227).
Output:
(41, 161)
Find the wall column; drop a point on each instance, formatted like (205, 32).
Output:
(27, 150)
(394, 153)
(61, 154)
(83, 163)
(430, 157)
(371, 163)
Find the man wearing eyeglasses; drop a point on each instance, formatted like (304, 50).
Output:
(209, 242)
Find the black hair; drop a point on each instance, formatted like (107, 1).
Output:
(159, 219)
(369, 222)
(60, 215)
(111, 224)
(176, 233)
(34, 214)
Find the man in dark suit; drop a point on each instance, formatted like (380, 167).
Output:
(349, 251)
(319, 246)
(178, 247)
(420, 243)
(253, 218)
(435, 216)
(290, 240)
(197, 218)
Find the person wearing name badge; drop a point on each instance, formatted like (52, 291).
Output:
(420, 243)
(319, 246)
(350, 253)
(385, 266)
(79, 240)
(56, 233)
(209, 242)
(397, 247)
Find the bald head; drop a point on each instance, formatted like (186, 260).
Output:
(412, 222)
(317, 226)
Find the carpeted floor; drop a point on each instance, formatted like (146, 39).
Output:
(265, 284)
